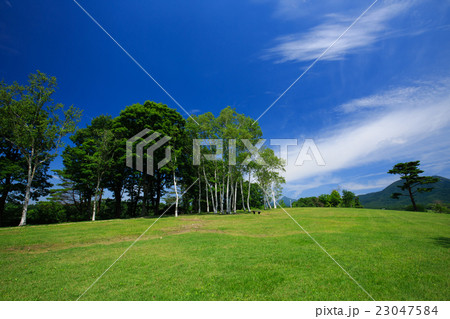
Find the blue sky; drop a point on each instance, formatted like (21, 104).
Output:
(379, 96)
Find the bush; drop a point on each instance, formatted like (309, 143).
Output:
(439, 207)
(46, 213)
(11, 215)
(420, 208)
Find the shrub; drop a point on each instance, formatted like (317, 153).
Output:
(46, 213)
(439, 207)
(11, 215)
(420, 208)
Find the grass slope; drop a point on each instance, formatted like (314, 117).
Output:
(382, 199)
(393, 255)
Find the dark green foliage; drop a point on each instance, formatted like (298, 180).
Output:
(46, 213)
(358, 203)
(418, 208)
(329, 200)
(307, 202)
(324, 199)
(159, 118)
(256, 196)
(95, 161)
(348, 198)
(439, 207)
(34, 124)
(12, 214)
(87, 162)
(13, 180)
(335, 198)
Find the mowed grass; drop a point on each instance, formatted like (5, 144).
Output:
(393, 255)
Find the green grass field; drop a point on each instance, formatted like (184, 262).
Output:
(393, 255)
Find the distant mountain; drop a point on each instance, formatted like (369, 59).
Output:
(383, 198)
(287, 200)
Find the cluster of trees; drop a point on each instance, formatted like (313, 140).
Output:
(334, 199)
(224, 177)
(230, 171)
(220, 184)
(33, 127)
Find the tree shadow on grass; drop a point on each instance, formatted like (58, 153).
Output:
(442, 241)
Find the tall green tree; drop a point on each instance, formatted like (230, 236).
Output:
(348, 198)
(269, 176)
(168, 122)
(89, 159)
(325, 200)
(358, 203)
(35, 124)
(100, 161)
(335, 198)
(409, 173)
(13, 178)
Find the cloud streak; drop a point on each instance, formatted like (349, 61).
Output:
(423, 92)
(307, 46)
(379, 183)
(411, 123)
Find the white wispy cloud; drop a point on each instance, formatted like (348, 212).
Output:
(296, 189)
(369, 185)
(424, 91)
(295, 9)
(307, 46)
(416, 128)
(194, 111)
(390, 98)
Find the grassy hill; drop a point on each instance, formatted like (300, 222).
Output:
(382, 199)
(394, 255)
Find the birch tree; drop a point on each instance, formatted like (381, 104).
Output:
(269, 176)
(101, 162)
(221, 178)
(36, 124)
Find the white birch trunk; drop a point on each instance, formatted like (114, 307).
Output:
(210, 193)
(213, 203)
(242, 195)
(222, 194)
(94, 208)
(273, 198)
(31, 171)
(235, 197)
(207, 196)
(176, 194)
(249, 185)
(267, 199)
(227, 195)
(199, 193)
(215, 189)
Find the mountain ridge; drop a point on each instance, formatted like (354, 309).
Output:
(382, 199)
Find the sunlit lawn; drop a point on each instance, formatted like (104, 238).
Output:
(393, 255)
